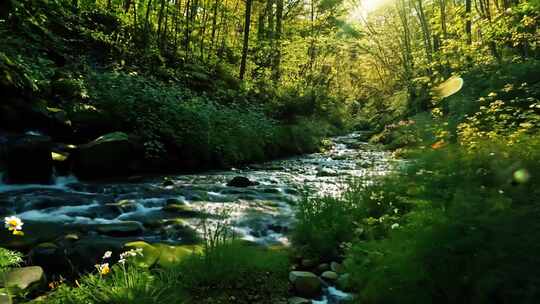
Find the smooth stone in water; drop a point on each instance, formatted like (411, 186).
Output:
(326, 172)
(181, 210)
(306, 284)
(329, 276)
(241, 182)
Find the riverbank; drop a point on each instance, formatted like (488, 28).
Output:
(69, 226)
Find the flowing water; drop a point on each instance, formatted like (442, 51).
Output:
(261, 213)
(171, 209)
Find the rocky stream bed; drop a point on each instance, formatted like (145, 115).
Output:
(69, 224)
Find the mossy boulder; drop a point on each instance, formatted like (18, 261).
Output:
(150, 254)
(171, 256)
(110, 155)
(24, 279)
(182, 210)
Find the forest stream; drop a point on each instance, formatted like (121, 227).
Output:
(171, 209)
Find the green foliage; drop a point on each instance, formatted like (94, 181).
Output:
(235, 270)
(123, 285)
(9, 259)
(326, 224)
(471, 238)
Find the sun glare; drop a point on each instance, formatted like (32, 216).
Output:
(364, 7)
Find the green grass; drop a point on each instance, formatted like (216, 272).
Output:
(229, 270)
(453, 226)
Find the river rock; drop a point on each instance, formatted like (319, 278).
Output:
(170, 256)
(182, 210)
(326, 172)
(323, 267)
(150, 254)
(306, 284)
(175, 201)
(241, 182)
(298, 300)
(110, 155)
(24, 278)
(28, 160)
(329, 276)
(121, 229)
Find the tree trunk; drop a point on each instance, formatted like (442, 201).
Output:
(276, 64)
(468, 22)
(245, 47)
(147, 22)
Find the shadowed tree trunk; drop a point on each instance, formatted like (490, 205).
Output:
(245, 47)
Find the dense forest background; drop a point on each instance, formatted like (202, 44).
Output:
(451, 86)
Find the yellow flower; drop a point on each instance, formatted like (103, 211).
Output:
(14, 224)
(103, 268)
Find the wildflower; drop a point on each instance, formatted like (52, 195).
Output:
(107, 255)
(130, 254)
(103, 269)
(14, 224)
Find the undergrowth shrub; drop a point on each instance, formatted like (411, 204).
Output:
(472, 236)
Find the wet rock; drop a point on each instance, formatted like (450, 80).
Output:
(71, 237)
(167, 183)
(323, 267)
(329, 276)
(121, 229)
(35, 233)
(298, 300)
(122, 206)
(306, 284)
(241, 182)
(327, 172)
(110, 155)
(175, 201)
(182, 210)
(24, 278)
(28, 160)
